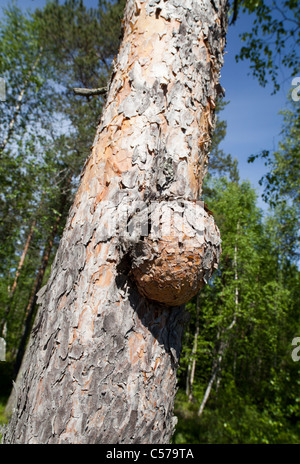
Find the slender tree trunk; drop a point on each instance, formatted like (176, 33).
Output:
(28, 318)
(20, 98)
(17, 274)
(30, 308)
(235, 264)
(22, 259)
(216, 367)
(224, 344)
(210, 383)
(192, 361)
(101, 362)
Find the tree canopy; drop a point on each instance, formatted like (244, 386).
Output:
(273, 43)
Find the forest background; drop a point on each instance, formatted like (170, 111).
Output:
(239, 372)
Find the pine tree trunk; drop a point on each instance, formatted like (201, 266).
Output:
(101, 362)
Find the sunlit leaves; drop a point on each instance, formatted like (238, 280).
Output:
(257, 381)
(274, 40)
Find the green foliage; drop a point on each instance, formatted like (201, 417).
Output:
(27, 74)
(255, 396)
(274, 39)
(282, 182)
(220, 164)
(46, 132)
(233, 419)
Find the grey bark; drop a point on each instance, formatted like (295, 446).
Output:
(101, 362)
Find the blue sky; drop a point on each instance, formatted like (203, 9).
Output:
(253, 120)
(252, 115)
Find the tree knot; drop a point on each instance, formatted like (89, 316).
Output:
(179, 252)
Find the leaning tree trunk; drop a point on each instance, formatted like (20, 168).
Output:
(101, 362)
(28, 318)
(17, 275)
(13, 288)
(30, 307)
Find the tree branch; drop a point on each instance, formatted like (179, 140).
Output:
(88, 92)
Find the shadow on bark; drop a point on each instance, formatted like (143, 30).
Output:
(165, 323)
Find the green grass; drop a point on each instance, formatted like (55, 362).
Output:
(6, 370)
(188, 426)
(231, 420)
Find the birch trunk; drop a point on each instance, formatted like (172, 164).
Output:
(30, 308)
(28, 319)
(22, 259)
(223, 344)
(101, 362)
(192, 361)
(19, 103)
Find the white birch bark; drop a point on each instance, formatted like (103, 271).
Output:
(192, 361)
(223, 344)
(19, 102)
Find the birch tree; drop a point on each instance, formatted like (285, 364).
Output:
(101, 362)
(24, 70)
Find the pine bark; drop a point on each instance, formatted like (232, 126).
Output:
(101, 362)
